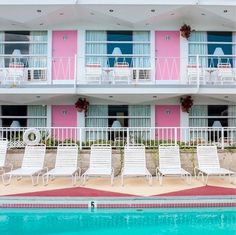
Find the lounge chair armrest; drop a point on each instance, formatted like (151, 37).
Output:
(78, 170)
(45, 170)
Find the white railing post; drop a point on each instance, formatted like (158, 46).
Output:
(198, 71)
(222, 138)
(176, 137)
(80, 138)
(128, 136)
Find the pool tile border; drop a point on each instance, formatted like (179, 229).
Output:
(168, 202)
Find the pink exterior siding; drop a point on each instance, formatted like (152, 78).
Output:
(167, 47)
(64, 49)
(167, 116)
(64, 116)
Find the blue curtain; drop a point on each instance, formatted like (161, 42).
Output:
(139, 116)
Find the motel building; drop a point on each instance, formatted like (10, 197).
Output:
(118, 72)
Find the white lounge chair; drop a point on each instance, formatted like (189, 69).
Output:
(208, 163)
(32, 164)
(3, 154)
(66, 164)
(135, 163)
(100, 162)
(169, 163)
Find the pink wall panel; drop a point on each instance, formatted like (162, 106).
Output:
(167, 116)
(167, 52)
(64, 49)
(64, 116)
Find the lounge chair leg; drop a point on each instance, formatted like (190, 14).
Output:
(160, 179)
(150, 180)
(4, 179)
(45, 179)
(206, 179)
(122, 180)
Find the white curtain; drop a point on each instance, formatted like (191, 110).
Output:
(198, 110)
(139, 116)
(234, 49)
(232, 112)
(96, 45)
(197, 48)
(232, 121)
(37, 110)
(97, 116)
(37, 47)
(195, 134)
(141, 49)
(2, 49)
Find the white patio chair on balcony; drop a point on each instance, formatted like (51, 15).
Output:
(192, 73)
(225, 73)
(15, 74)
(93, 73)
(169, 163)
(122, 72)
(100, 163)
(3, 155)
(208, 163)
(135, 163)
(32, 165)
(66, 164)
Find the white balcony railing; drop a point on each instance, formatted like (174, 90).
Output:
(118, 137)
(194, 70)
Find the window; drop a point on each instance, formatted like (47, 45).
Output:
(26, 49)
(108, 47)
(23, 116)
(128, 116)
(215, 116)
(213, 48)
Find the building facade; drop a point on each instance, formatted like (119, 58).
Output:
(131, 61)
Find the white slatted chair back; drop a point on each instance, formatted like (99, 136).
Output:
(3, 152)
(169, 157)
(207, 157)
(67, 156)
(100, 157)
(34, 156)
(122, 72)
(134, 157)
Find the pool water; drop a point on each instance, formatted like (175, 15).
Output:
(217, 221)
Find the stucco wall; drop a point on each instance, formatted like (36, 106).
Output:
(188, 159)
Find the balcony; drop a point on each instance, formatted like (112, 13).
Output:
(195, 71)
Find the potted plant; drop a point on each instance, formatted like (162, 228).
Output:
(185, 31)
(186, 103)
(82, 105)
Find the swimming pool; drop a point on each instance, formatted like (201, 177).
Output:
(179, 221)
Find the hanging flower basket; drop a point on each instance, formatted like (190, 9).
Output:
(185, 31)
(186, 103)
(82, 105)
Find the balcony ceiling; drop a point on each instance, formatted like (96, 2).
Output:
(118, 16)
(43, 99)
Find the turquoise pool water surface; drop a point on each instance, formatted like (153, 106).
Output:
(217, 221)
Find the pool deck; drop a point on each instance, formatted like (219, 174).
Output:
(138, 187)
